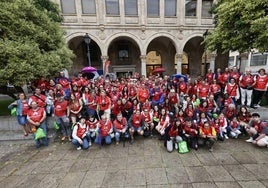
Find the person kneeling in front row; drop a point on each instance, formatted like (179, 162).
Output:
(207, 135)
(81, 135)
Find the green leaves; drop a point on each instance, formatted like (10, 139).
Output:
(31, 42)
(240, 25)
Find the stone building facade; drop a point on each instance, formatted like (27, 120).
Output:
(140, 35)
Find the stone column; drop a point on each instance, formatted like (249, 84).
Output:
(212, 61)
(143, 65)
(179, 62)
(104, 58)
(244, 63)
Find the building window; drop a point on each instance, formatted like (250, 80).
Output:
(170, 7)
(131, 7)
(190, 7)
(88, 7)
(68, 6)
(258, 59)
(153, 8)
(206, 9)
(112, 7)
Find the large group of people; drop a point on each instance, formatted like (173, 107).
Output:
(175, 109)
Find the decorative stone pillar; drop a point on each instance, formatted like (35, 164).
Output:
(179, 62)
(104, 58)
(143, 65)
(212, 61)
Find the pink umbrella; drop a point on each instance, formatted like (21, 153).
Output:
(159, 70)
(88, 69)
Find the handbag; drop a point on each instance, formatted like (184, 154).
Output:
(13, 111)
(39, 134)
(182, 147)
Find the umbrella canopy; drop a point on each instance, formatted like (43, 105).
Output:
(178, 76)
(88, 69)
(159, 70)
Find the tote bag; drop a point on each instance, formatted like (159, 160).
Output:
(182, 147)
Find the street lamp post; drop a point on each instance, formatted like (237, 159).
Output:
(87, 40)
(206, 65)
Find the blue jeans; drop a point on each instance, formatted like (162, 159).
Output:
(42, 141)
(85, 140)
(64, 125)
(118, 136)
(99, 138)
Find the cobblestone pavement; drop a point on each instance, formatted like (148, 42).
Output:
(146, 163)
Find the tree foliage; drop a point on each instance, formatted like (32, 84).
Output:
(31, 41)
(240, 25)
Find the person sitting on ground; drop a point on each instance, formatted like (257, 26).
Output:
(234, 128)
(173, 135)
(163, 123)
(105, 130)
(93, 125)
(148, 122)
(191, 133)
(222, 125)
(135, 125)
(81, 135)
(120, 128)
(257, 130)
(207, 135)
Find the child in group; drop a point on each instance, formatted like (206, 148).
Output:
(222, 125)
(234, 128)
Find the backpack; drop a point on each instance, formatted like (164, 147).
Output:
(182, 147)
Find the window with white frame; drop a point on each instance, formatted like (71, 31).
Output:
(131, 7)
(258, 59)
(88, 7)
(206, 8)
(68, 6)
(153, 8)
(190, 7)
(112, 7)
(170, 7)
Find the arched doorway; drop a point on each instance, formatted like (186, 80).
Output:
(194, 52)
(124, 55)
(80, 60)
(161, 53)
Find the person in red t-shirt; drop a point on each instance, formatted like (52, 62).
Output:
(260, 87)
(36, 117)
(191, 133)
(246, 83)
(61, 114)
(104, 104)
(120, 128)
(39, 98)
(105, 130)
(81, 135)
(173, 135)
(136, 125)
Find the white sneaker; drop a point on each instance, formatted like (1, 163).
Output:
(89, 144)
(257, 106)
(79, 148)
(249, 140)
(176, 146)
(226, 137)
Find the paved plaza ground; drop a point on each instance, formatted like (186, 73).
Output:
(146, 163)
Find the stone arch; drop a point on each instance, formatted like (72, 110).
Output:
(160, 34)
(113, 37)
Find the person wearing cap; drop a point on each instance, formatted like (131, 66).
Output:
(207, 135)
(260, 87)
(120, 128)
(246, 83)
(257, 130)
(61, 114)
(80, 135)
